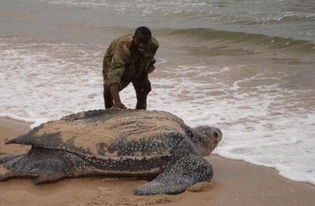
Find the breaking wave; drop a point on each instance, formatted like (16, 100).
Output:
(272, 42)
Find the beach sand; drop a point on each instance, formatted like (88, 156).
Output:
(234, 183)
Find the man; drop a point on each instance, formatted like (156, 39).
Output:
(129, 58)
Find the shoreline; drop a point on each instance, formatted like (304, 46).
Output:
(235, 182)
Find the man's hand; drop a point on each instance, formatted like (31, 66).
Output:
(114, 91)
(119, 105)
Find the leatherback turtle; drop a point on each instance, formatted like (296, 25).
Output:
(116, 143)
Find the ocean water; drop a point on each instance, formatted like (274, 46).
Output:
(244, 66)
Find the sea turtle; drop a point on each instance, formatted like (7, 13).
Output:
(116, 143)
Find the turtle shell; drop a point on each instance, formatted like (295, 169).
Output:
(110, 134)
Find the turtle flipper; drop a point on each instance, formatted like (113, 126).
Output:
(48, 178)
(5, 174)
(178, 177)
(9, 157)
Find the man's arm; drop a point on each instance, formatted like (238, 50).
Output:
(117, 68)
(154, 48)
(114, 91)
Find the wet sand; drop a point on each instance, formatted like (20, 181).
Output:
(235, 183)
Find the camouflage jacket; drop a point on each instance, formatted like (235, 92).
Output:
(120, 65)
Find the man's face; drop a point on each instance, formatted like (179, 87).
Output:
(140, 42)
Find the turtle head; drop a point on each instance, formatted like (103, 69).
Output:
(208, 138)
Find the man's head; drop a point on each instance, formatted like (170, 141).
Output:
(141, 38)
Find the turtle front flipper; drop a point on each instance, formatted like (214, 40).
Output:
(178, 177)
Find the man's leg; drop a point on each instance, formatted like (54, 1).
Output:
(107, 97)
(142, 87)
(108, 101)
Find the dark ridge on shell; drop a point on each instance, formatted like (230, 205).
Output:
(86, 115)
(130, 164)
(98, 115)
(127, 123)
(150, 147)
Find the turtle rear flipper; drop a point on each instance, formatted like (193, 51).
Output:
(48, 178)
(5, 174)
(178, 177)
(6, 162)
(9, 157)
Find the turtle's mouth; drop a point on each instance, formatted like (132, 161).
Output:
(217, 134)
(214, 137)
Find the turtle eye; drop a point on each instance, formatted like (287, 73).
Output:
(216, 135)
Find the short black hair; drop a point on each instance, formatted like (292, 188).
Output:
(144, 32)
